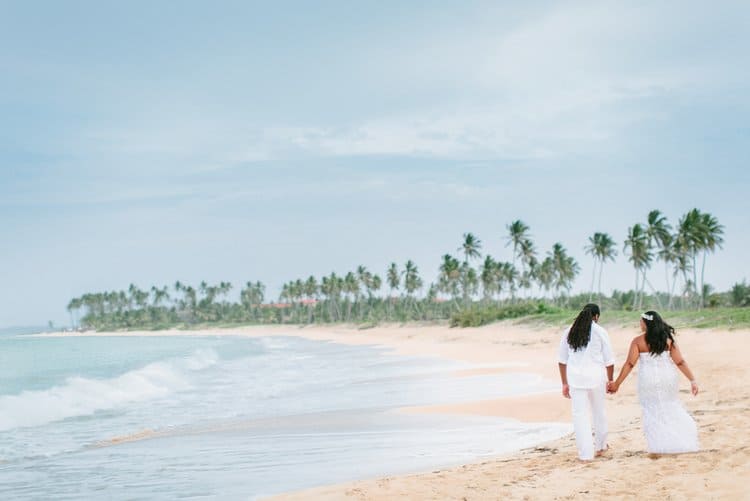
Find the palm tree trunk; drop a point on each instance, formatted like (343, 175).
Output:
(656, 294)
(686, 280)
(695, 276)
(669, 289)
(643, 287)
(703, 271)
(601, 269)
(593, 277)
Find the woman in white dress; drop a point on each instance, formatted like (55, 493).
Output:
(669, 429)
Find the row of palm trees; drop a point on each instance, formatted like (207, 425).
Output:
(697, 234)
(158, 306)
(556, 271)
(462, 279)
(353, 296)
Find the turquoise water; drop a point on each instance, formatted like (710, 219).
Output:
(230, 417)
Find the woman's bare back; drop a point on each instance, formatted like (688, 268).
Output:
(640, 342)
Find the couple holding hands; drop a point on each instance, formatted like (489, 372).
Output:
(587, 368)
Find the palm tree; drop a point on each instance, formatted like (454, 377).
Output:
(326, 290)
(252, 297)
(412, 281)
(518, 231)
(488, 277)
(668, 253)
(375, 284)
(393, 277)
(224, 289)
(365, 280)
(711, 233)
(527, 253)
(310, 289)
(545, 274)
(335, 286)
(365, 277)
(159, 295)
(507, 275)
(657, 228)
(190, 302)
(682, 267)
(470, 247)
(431, 301)
(640, 255)
(658, 231)
(469, 282)
(450, 272)
(690, 241)
(565, 268)
(351, 287)
(602, 248)
(73, 306)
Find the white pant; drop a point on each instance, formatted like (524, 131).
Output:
(589, 402)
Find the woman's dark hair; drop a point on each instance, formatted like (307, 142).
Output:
(658, 332)
(580, 332)
(594, 309)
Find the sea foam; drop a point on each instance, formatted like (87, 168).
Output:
(81, 396)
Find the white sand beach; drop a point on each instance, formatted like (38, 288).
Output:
(551, 470)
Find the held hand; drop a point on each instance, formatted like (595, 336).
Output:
(612, 387)
(566, 391)
(694, 388)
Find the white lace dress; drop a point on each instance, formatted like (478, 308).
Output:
(669, 429)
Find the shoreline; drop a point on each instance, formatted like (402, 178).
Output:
(551, 470)
(459, 344)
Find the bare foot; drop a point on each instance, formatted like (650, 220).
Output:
(600, 453)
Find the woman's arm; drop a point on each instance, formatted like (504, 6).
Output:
(564, 379)
(626, 367)
(562, 360)
(608, 356)
(681, 364)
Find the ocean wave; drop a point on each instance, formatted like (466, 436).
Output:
(81, 396)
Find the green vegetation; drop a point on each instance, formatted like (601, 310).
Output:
(483, 315)
(725, 317)
(533, 287)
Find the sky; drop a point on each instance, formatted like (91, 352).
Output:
(149, 142)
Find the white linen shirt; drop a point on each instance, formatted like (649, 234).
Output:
(586, 366)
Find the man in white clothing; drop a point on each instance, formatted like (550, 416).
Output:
(586, 364)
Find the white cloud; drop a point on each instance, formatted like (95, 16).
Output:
(577, 77)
